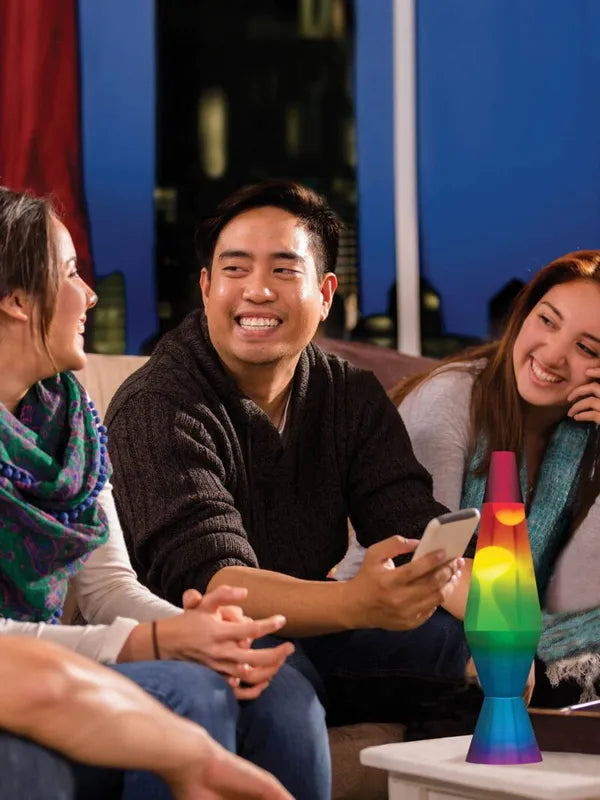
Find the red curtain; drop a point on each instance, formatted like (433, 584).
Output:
(40, 144)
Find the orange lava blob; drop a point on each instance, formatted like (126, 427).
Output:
(510, 516)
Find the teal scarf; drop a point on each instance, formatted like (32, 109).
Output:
(566, 635)
(53, 464)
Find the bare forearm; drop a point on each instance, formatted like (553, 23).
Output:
(310, 607)
(125, 728)
(89, 713)
(457, 602)
(378, 596)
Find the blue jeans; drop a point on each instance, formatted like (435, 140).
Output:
(282, 731)
(29, 771)
(386, 676)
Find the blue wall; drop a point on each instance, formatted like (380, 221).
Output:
(117, 55)
(509, 151)
(374, 102)
(509, 143)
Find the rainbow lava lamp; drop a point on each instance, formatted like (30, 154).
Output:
(503, 621)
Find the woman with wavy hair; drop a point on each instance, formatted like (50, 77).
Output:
(59, 528)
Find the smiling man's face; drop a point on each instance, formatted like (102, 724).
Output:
(264, 299)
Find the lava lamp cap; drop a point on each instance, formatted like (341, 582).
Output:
(503, 479)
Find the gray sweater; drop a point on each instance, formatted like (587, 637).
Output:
(203, 480)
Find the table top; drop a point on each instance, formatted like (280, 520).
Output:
(560, 776)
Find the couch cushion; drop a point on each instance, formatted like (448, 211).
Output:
(103, 375)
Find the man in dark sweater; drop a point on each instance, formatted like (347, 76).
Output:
(240, 450)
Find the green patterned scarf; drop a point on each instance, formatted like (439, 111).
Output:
(568, 639)
(53, 464)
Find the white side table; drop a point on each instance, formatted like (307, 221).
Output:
(435, 769)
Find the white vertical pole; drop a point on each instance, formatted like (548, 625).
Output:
(405, 178)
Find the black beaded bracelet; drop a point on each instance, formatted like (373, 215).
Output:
(155, 641)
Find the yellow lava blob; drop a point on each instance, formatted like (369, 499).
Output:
(492, 562)
(510, 516)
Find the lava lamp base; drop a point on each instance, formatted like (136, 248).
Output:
(503, 734)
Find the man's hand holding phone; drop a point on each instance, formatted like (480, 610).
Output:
(382, 595)
(400, 598)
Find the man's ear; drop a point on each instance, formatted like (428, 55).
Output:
(204, 284)
(328, 287)
(16, 305)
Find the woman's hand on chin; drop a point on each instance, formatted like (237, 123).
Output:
(214, 631)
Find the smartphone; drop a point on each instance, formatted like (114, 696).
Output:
(450, 532)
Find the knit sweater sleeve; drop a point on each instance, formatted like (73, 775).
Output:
(437, 418)
(389, 491)
(170, 468)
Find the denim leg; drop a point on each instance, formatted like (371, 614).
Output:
(284, 732)
(396, 676)
(192, 691)
(29, 771)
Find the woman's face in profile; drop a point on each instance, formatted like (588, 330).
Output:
(74, 298)
(558, 342)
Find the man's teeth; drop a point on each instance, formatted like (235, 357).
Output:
(541, 374)
(258, 322)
